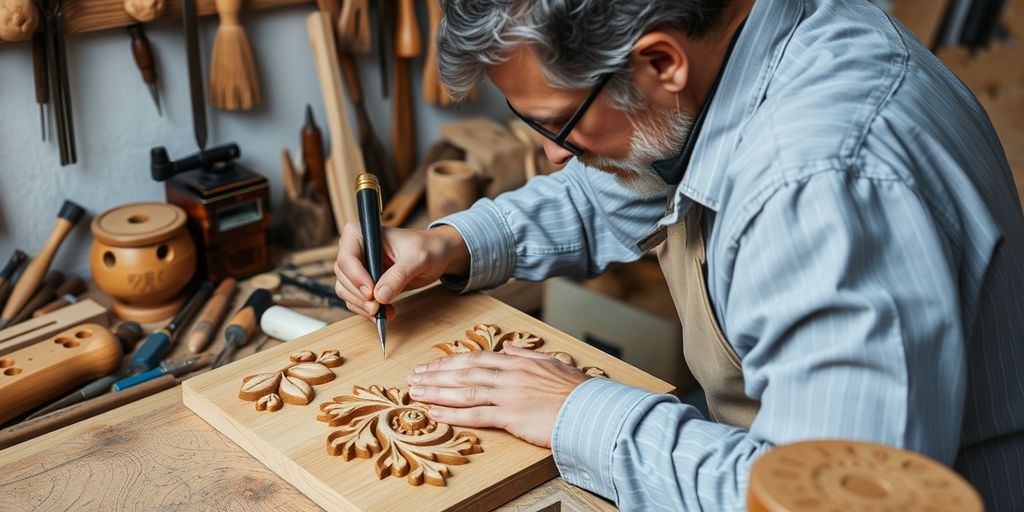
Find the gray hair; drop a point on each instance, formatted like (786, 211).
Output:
(577, 41)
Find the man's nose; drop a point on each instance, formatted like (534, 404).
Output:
(556, 154)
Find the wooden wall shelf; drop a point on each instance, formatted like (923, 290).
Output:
(92, 15)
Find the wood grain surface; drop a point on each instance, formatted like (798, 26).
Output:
(292, 442)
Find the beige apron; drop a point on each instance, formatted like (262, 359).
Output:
(709, 356)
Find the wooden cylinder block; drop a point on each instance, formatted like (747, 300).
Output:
(45, 370)
(143, 256)
(852, 475)
(452, 186)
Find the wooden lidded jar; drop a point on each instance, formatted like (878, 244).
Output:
(143, 256)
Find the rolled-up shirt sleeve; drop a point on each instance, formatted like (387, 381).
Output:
(575, 222)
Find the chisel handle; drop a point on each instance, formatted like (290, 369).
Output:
(33, 274)
(206, 325)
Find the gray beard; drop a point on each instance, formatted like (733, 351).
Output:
(656, 136)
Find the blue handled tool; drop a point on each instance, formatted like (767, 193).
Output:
(159, 344)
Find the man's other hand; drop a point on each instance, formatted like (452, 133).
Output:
(518, 390)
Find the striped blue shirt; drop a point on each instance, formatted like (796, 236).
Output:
(865, 259)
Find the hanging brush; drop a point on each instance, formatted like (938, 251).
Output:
(233, 81)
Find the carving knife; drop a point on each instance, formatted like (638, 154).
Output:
(195, 70)
(370, 206)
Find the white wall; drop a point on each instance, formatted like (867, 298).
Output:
(116, 123)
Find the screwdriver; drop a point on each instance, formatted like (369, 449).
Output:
(144, 60)
(158, 344)
(243, 324)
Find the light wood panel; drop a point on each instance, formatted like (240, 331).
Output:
(292, 443)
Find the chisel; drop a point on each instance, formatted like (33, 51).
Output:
(206, 324)
(243, 324)
(143, 54)
(159, 344)
(175, 368)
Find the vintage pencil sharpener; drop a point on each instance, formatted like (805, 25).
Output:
(228, 209)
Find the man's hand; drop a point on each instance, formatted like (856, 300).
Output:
(519, 390)
(413, 258)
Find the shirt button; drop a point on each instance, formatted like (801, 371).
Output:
(585, 475)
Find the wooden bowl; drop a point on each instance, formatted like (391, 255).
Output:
(143, 256)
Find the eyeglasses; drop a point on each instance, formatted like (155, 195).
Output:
(563, 134)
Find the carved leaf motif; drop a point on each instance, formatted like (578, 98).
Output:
(312, 373)
(594, 371)
(292, 384)
(302, 356)
(563, 357)
(385, 424)
(257, 386)
(271, 402)
(295, 391)
(331, 359)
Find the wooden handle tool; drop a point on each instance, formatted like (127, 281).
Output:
(374, 155)
(211, 316)
(143, 54)
(431, 77)
(43, 371)
(313, 155)
(72, 285)
(69, 215)
(7, 274)
(243, 324)
(354, 27)
(403, 119)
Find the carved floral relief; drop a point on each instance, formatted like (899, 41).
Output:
(386, 425)
(292, 384)
(489, 337)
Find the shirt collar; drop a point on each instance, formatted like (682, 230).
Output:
(739, 89)
(673, 169)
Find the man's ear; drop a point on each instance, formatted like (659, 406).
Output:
(660, 64)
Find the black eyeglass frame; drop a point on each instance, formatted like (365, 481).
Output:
(561, 138)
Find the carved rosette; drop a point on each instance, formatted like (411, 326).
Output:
(488, 337)
(404, 441)
(292, 384)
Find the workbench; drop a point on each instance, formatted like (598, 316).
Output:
(155, 454)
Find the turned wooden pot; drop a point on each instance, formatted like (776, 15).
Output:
(143, 256)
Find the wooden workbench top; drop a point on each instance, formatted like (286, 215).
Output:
(155, 454)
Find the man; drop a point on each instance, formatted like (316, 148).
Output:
(842, 240)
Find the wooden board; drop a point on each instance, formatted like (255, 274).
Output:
(33, 330)
(292, 442)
